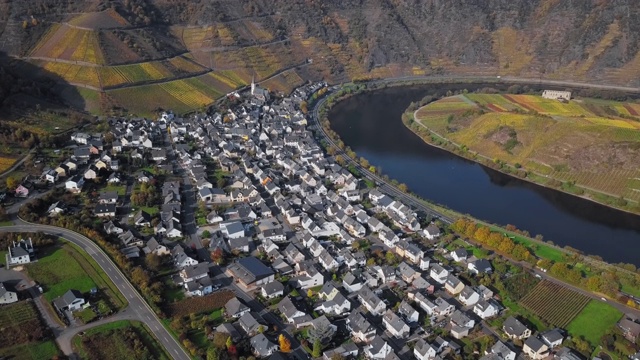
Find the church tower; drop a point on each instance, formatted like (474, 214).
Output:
(253, 86)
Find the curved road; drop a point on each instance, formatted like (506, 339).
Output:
(137, 305)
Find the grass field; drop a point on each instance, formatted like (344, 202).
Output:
(554, 303)
(119, 340)
(594, 321)
(79, 272)
(22, 333)
(44, 350)
(586, 141)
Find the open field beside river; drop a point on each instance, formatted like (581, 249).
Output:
(586, 144)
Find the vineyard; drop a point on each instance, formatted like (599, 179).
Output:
(131, 74)
(6, 163)
(284, 83)
(72, 44)
(179, 95)
(585, 142)
(74, 74)
(20, 323)
(554, 303)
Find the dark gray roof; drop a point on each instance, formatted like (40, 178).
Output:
(534, 343)
(235, 306)
(273, 287)
(514, 327)
(250, 269)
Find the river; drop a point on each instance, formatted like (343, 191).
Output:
(371, 125)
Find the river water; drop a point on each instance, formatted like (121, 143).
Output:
(371, 125)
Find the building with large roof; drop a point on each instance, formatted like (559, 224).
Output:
(250, 272)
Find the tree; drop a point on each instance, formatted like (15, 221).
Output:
(545, 264)
(220, 340)
(317, 349)
(321, 333)
(285, 344)
(390, 257)
(213, 353)
(12, 183)
(309, 293)
(153, 261)
(217, 256)
(403, 188)
(482, 234)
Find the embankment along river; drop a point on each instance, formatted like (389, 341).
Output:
(371, 125)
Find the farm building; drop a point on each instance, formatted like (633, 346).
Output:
(556, 95)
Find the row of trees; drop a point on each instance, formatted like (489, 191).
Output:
(492, 239)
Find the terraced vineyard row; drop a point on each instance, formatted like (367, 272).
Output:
(554, 303)
(67, 43)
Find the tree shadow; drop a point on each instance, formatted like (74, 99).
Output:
(25, 87)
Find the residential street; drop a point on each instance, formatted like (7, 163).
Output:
(138, 308)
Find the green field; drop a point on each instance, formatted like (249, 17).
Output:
(121, 189)
(594, 321)
(119, 340)
(582, 146)
(33, 351)
(79, 272)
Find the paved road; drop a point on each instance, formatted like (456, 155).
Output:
(137, 305)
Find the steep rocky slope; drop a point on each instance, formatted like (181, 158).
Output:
(337, 40)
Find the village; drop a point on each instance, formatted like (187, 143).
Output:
(248, 201)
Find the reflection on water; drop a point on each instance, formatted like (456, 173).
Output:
(370, 124)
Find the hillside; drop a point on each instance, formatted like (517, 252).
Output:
(122, 52)
(585, 144)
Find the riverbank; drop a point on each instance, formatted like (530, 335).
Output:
(543, 251)
(396, 151)
(516, 169)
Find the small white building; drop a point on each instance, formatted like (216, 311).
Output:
(557, 95)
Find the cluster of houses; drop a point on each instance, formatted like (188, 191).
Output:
(288, 203)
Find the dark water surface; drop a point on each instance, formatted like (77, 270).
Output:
(371, 125)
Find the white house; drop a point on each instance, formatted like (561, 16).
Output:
(371, 301)
(361, 329)
(378, 349)
(272, 290)
(74, 184)
(423, 351)
(410, 314)
(438, 273)
(72, 300)
(486, 309)
(394, 325)
(503, 351)
(468, 296)
(20, 252)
